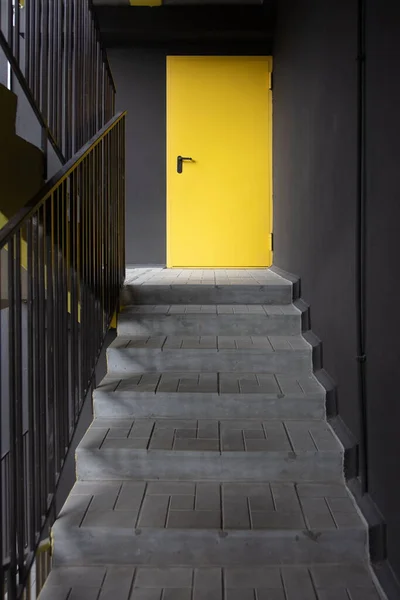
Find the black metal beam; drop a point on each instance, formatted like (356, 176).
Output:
(127, 26)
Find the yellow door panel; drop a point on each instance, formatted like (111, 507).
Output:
(219, 207)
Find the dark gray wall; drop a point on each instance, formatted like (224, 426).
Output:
(383, 213)
(140, 80)
(314, 173)
(140, 77)
(315, 103)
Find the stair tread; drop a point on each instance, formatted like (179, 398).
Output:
(211, 435)
(217, 310)
(240, 384)
(218, 343)
(192, 505)
(314, 582)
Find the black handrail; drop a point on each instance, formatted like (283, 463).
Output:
(63, 264)
(55, 53)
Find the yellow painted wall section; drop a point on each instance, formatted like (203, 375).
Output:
(219, 209)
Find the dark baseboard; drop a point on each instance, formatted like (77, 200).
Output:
(387, 579)
(350, 445)
(316, 344)
(376, 524)
(331, 402)
(304, 308)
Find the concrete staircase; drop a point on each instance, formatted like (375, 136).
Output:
(209, 471)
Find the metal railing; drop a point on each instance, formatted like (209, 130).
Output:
(62, 267)
(53, 51)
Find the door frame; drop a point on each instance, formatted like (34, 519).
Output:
(269, 173)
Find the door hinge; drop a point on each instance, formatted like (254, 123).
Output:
(271, 81)
(272, 242)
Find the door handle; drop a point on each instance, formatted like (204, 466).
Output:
(179, 162)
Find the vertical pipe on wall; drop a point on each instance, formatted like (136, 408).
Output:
(361, 243)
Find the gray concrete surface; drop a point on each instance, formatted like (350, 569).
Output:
(196, 482)
(209, 319)
(318, 582)
(196, 286)
(227, 354)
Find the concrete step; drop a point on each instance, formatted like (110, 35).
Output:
(208, 286)
(305, 582)
(246, 354)
(209, 319)
(174, 286)
(212, 450)
(210, 396)
(203, 524)
(279, 293)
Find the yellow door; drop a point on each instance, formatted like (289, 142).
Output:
(219, 206)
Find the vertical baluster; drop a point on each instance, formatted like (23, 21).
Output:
(51, 65)
(51, 348)
(60, 46)
(89, 68)
(99, 237)
(28, 43)
(64, 314)
(102, 227)
(86, 323)
(36, 45)
(42, 363)
(56, 310)
(44, 67)
(64, 95)
(10, 23)
(85, 294)
(104, 91)
(73, 296)
(30, 380)
(59, 326)
(36, 367)
(122, 201)
(17, 29)
(123, 228)
(75, 75)
(13, 485)
(108, 192)
(18, 441)
(2, 486)
(98, 86)
(93, 77)
(82, 283)
(112, 221)
(84, 72)
(94, 185)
